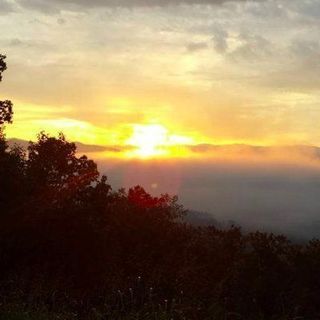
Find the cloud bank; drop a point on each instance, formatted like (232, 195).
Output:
(46, 5)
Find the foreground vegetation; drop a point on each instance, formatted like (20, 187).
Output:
(73, 248)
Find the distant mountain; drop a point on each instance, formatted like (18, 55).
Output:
(230, 149)
(203, 219)
(308, 150)
(81, 147)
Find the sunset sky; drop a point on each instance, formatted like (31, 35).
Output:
(170, 73)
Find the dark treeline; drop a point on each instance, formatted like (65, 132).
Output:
(73, 248)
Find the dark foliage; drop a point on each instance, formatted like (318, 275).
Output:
(73, 248)
(6, 110)
(3, 65)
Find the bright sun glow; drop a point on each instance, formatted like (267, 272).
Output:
(154, 140)
(148, 140)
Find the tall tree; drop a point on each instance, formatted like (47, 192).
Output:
(11, 161)
(55, 171)
(6, 110)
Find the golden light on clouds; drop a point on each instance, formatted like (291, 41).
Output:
(156, 84)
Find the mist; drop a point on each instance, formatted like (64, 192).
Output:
(275, 189)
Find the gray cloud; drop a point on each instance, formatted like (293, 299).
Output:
(5, 7)
(220, 43)
(196, 46)
(253, 47)
(308, 9)
(61, 21)
(15, 42)
(303, 48)
(57, 5)
(301, 72)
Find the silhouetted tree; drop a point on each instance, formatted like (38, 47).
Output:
(3, 65)
(10, 160)
(55, 172)
(6, 110)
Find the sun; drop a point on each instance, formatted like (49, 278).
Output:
(149, 140)
(155, 140)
